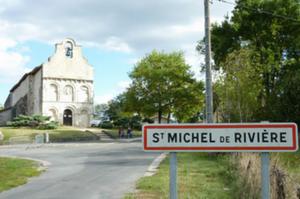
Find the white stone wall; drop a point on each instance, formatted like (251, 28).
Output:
(61, 66)
(82, 110)
(5, 116)
(35, 94)
(20, 92)
(68, 84)
(38, 93)
(65, 81)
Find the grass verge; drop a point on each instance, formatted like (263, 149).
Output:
(290, 162)
(200, 176)
(15, 172)
(62, 134)
(114, 133)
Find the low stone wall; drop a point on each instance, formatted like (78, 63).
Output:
(5, 116)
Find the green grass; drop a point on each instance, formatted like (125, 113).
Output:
(114, 133)
(15, 172)
(200, 176)
(62, 134)
(71, 135)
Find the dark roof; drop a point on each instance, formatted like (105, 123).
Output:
(34, 71)
(6, 109)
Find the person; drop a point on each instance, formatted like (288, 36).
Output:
(129, 133)
(122, 133)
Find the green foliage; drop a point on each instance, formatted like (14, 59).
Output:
(163, 84)
(116, 109)
(114, 133)
(106, 125)
(258, 53)
(35, 121)
(65, 135)
(1, 107)
(239, 88)
(48, 125)
(100, 111)
(119, 115)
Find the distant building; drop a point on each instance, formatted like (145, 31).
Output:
(61, 88)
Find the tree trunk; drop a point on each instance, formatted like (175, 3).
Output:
(169, 117)
(159, 116)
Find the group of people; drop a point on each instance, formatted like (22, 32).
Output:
(122, 133)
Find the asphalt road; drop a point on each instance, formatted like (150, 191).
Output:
(82, 171)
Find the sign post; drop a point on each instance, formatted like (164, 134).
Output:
(265, 175)
(173, 175)
(247, 137)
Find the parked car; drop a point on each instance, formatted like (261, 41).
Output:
(95, 123)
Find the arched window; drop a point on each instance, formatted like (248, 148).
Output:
(68, 93)
(84, 94)
(53, 94)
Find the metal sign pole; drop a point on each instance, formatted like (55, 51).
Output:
(265, 175)
(173, 175)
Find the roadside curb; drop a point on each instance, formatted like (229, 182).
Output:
(152, 169)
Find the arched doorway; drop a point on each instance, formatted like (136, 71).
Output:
(68, 117)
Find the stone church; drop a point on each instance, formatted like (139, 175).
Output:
(62, 88)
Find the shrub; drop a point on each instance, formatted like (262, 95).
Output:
(48, 126)
(106, 125)
(35, 121)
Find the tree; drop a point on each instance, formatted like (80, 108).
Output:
(115, 108)
(119, 115)
(100, 111)
(239, 88)
(162, 84)
(1, 107)
(271, 30)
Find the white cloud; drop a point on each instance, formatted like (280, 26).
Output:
(102, 99)
(123, 85)
(12, 65)
(116, 44)
(132, 26)
(124, 26)
(120, 87)
(133, 61)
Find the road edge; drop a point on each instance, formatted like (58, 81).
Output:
(43, 165)
(152, 169)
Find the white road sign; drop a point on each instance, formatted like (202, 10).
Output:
(254, 137)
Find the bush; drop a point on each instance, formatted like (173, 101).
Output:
(106, 125)
(35, 121)
(48, 126)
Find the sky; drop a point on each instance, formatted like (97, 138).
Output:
(114, 35)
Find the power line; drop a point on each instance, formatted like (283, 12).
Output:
(261, 11)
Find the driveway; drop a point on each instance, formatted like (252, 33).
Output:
(82, 171)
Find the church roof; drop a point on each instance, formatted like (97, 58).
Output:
(33, 72)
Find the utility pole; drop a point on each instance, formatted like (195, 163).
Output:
(209, 96)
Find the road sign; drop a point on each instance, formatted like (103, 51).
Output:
(247, 137)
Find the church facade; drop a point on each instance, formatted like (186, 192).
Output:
(61, 88)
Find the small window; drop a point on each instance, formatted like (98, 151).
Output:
(69, 49)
